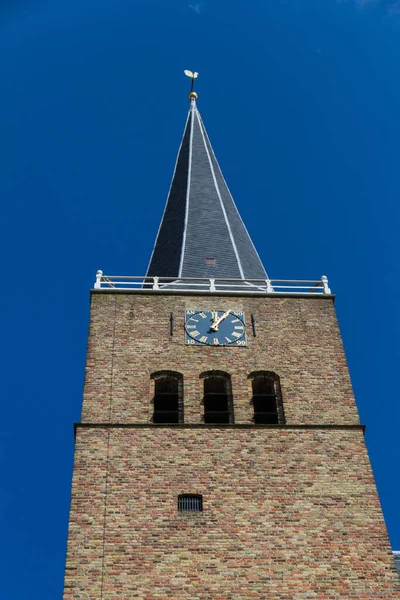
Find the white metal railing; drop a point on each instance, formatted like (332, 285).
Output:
(197, 284)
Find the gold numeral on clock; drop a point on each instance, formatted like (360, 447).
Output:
(216, 342)
(195, 333)
(236, 334)
(235, 321)
(239, 326)
(203, 316)
(190, 326)
(228, 340)
(203, 339)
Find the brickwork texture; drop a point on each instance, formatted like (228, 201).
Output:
(288, 512)
(297, 338)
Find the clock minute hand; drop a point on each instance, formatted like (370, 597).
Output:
(214, 326)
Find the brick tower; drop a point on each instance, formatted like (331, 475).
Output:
(219, 454)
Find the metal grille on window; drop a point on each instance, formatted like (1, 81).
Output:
(190, 503)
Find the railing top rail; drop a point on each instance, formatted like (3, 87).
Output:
(150, 278)
(203, 284)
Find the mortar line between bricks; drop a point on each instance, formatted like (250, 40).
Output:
(105, 517)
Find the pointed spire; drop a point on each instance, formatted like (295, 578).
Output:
(201, 232)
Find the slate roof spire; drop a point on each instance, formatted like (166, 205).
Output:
(201, 232)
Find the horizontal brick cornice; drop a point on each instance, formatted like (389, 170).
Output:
(355, 427)
(166, 292)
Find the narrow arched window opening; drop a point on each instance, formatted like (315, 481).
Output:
(168, 398)
(218, 405)
(267, 399)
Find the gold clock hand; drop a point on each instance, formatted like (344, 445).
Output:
(214, 317)
(214, 326)
(223, 316)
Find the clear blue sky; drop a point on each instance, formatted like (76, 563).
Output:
(301, 100)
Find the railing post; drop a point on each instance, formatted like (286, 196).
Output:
(212, 285)
(324, 280)
(270, 289)
(99, 275)
(155, 283)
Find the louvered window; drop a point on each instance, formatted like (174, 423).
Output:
(218, 406)
(190, 503)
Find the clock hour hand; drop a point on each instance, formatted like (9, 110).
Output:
(215, 324)
(214, 317)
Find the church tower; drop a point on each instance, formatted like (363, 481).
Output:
(219, 454)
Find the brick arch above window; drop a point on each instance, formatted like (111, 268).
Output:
(166, 373)
(215, 373)
(266, 398)
(270, 374)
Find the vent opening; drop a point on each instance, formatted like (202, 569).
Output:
(210, 261)
(190, 503)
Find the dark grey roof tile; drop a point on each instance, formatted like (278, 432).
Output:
(200, 219)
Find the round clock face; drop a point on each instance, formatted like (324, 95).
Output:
(215, 327)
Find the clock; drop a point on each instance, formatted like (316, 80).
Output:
(215, 328)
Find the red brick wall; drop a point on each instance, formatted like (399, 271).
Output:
(288, 514)
(298, 338)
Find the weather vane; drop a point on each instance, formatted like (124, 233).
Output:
(193, 75)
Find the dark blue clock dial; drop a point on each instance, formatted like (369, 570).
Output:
(215, 328)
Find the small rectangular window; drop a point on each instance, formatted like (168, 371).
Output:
(190, 503)
(210, 261)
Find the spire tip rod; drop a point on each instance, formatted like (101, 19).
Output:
(192, 75)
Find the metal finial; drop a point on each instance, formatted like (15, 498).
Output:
(193, 75)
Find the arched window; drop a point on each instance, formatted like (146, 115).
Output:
(267, 398)
(168, 397)
(218, 405)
